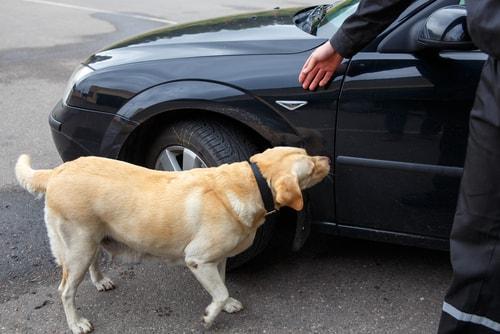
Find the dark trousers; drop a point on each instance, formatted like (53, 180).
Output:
(472, 303)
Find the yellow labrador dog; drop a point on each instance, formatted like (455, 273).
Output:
(198, 217)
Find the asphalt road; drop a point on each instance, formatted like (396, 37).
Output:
(331, 286)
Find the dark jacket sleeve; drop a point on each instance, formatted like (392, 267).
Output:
(369, 20)
(483, 20)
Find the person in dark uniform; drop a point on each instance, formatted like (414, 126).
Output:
(472, 302)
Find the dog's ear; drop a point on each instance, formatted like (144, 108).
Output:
(288, 192)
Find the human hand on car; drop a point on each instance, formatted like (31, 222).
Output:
(319, 67)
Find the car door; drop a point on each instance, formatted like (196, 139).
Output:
(401, 137)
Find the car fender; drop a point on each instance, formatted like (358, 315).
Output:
(203, 95)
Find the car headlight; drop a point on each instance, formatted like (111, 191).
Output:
(78, 74)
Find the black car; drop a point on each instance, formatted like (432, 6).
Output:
(394, 119)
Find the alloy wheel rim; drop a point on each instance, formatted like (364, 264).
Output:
(178, 158)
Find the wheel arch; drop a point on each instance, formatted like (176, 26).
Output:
(145, 133)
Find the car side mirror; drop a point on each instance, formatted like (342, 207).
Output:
(446, 29)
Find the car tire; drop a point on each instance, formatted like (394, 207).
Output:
(214, 143)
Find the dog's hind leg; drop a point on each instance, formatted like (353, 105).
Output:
(55, 241)
(52, 222)
(79, 252)
(101, 282)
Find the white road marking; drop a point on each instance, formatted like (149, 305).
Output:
(96, 10)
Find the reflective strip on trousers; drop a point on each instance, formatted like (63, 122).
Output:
(472, 318)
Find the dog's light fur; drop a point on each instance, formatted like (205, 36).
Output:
(198, 217)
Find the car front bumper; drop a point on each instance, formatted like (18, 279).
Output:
(81, 132)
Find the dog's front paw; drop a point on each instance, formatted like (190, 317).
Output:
(82, 326)
(233, 305)
(104, 284)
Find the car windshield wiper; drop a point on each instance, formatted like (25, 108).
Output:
(309, 20)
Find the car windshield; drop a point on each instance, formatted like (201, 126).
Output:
(325, 20)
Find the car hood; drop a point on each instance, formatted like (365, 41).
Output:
(270, 32)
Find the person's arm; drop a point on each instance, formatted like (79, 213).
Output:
(359, 29)
(369, 20)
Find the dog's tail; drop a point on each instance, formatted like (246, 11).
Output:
(34, 181)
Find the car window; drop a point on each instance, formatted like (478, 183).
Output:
(335, 16)
(325, 20)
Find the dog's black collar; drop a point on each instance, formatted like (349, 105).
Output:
(265, 192)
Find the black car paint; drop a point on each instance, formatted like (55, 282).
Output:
(240, 76)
